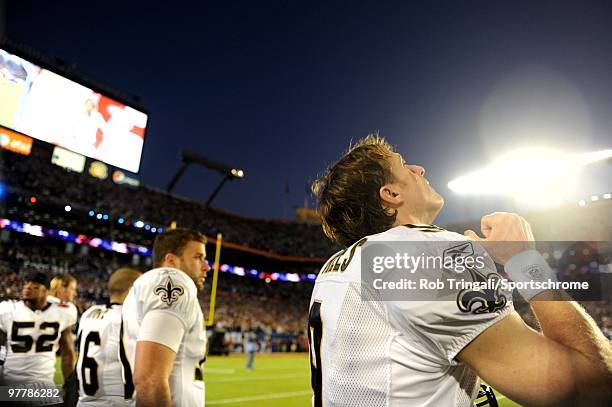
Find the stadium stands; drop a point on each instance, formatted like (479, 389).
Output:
(55, 187)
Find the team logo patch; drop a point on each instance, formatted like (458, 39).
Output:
(482, 301)
(169, 292)
(534, 273)
(462, 250)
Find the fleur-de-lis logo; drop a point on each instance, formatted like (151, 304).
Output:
(485, 300)
(169, 292)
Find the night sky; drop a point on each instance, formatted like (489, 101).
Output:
(280, 90)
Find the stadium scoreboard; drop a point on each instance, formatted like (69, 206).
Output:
(49, 107)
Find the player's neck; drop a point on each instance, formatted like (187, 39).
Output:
(36, 305)
(117, 299)
(414, 219)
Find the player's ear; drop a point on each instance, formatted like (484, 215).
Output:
(390, 196)
(170, 260)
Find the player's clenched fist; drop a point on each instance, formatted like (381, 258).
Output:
(505, 235)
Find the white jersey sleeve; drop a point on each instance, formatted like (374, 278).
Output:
(442, 326)
(69, 315)
(71, 307)
(5, 307)
(447, 323)
(167, 291)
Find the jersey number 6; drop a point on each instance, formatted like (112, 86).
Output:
(90, 387)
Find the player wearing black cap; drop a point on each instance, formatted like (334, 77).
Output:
(33, 329)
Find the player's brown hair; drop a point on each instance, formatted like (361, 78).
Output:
(121, 280)
(348, 196)
(174, 241)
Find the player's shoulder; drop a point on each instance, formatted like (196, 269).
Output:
(64, 313)
(66, 306)
(417, 233)
(166, 277)
(9, 305)
(164, 288)
(93, 310)
(53, 299)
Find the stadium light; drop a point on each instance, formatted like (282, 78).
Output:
(539, 174)
(237, 173)
(67, 208)
(607, 196)
(188, 158)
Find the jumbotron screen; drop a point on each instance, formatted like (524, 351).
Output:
(52, 108)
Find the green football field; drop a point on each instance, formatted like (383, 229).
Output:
(276, 380)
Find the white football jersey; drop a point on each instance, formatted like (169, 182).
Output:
(168, 290)
(99, 366)
(72, 308)
(369, 352)
(32, 340)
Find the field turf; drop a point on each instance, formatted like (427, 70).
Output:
(276, 380)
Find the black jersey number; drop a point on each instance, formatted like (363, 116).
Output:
(90, 387)
(315, 333)
(23, 343)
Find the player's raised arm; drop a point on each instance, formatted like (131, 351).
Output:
(569, 363)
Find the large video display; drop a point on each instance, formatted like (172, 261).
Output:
(51, 108)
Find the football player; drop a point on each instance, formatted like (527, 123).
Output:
(163, 326)
(369, 352)
(99, 366)
(63, 290)
(34, 329)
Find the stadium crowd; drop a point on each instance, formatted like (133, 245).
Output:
(36, 176)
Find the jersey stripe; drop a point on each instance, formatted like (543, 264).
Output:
(127, 370)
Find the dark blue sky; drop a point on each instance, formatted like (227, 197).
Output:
(280, 89)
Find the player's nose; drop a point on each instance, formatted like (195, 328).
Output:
(417, 169)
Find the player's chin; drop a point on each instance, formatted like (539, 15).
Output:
(200, 284)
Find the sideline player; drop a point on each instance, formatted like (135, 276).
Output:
(163, 326)
(34, 329)
(98, 366)
(63, 289)
(429, 353)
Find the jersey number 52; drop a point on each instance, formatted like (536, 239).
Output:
(23, 343)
